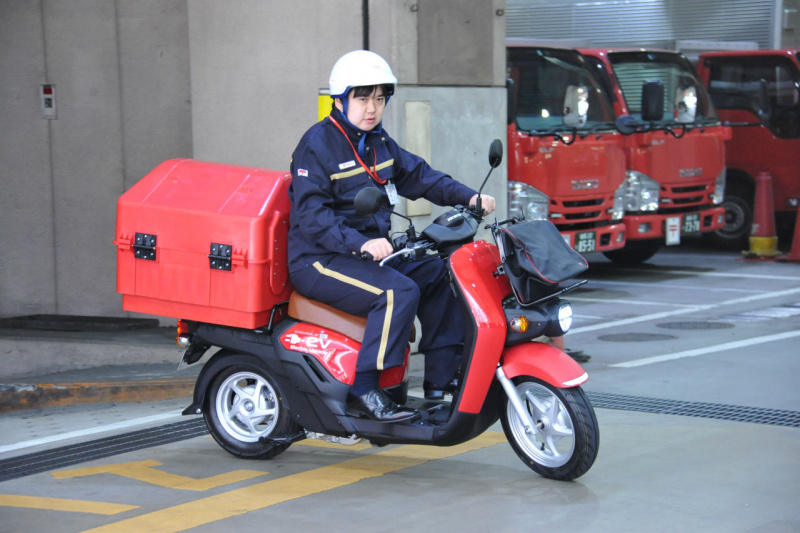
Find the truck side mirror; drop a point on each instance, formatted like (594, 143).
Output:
(652, 101)
(763, 107)
(512, 105)
(576, 105)
(685, 104)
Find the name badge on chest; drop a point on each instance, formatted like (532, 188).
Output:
(391, 191)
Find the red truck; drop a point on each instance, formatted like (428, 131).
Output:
(757, 93)
(675, 153)
(565, 157)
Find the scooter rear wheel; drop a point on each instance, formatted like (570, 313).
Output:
(244, 413)
(566, 438)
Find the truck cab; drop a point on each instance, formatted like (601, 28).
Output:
(757, 92)
(565, 157)
(675, 148)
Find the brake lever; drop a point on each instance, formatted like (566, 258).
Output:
(404, 251)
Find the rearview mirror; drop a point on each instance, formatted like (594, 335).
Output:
(496, 153)
(367, 201)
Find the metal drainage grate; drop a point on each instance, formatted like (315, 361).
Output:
(737, 413)
(34, 463)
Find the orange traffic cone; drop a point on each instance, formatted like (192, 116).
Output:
(794, 255)
(763, 238)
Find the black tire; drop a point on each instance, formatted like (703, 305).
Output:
(244, 410)
(738, 204)
(634, 252)
(567, 439)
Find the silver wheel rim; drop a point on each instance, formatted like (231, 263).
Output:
(553, 442)
(247, 406)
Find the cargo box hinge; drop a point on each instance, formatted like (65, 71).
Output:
(220, 256)
(144, 246)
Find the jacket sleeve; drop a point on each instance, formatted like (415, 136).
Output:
(312, 205)
(416, 179)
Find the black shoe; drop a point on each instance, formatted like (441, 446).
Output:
(578, 355)
(432, 392)
(377, 405)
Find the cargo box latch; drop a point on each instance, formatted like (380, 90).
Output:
(144, 246)
(220, 256)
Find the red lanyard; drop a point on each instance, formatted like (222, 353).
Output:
(372, 173)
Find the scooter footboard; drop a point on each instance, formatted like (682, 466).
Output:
(545, 362)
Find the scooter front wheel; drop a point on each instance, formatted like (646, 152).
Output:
(566, 437)
(244, 413)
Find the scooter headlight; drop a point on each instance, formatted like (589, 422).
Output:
(559, 313)
(565, 316)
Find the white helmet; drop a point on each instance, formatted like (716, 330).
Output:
(358, 69)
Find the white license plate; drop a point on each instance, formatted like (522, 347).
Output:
(691, 223)
(585, 242)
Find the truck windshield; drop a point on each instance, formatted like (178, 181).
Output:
(768, 86)
(675, 73)
(542, 80)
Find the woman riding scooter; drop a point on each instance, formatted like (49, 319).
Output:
(337, 157)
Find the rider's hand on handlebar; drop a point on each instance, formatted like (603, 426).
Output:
(379, 248)
(488, 203)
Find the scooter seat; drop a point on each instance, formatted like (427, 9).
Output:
(320, 314)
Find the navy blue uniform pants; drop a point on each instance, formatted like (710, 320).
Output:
(390, 297)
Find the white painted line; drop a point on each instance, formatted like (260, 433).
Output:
(711, 349)
(90, 431)
(626, 302)
(658, 316)
(724, 274)
(651, 286)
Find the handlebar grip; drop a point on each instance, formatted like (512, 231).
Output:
(366, 256)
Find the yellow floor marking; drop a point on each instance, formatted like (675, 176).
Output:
(313, 443)
(142, 471)
(255, 497)
(60, 504)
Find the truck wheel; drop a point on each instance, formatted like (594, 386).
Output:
(634, 253)
(738, 219)
(244, 413)
(566, 439)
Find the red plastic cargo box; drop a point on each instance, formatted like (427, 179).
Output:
(204, 241)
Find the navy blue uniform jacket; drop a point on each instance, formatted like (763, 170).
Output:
(326, 177)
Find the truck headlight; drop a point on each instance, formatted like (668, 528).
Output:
(641, 192)
(524, 200)
(618, 210)
(719, 188)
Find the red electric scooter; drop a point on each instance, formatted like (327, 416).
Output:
(267, 388)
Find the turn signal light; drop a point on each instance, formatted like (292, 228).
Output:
(519, 324)
(184, 337)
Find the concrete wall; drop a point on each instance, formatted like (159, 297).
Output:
(253, 97)
(141, 81)
(121, 73)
